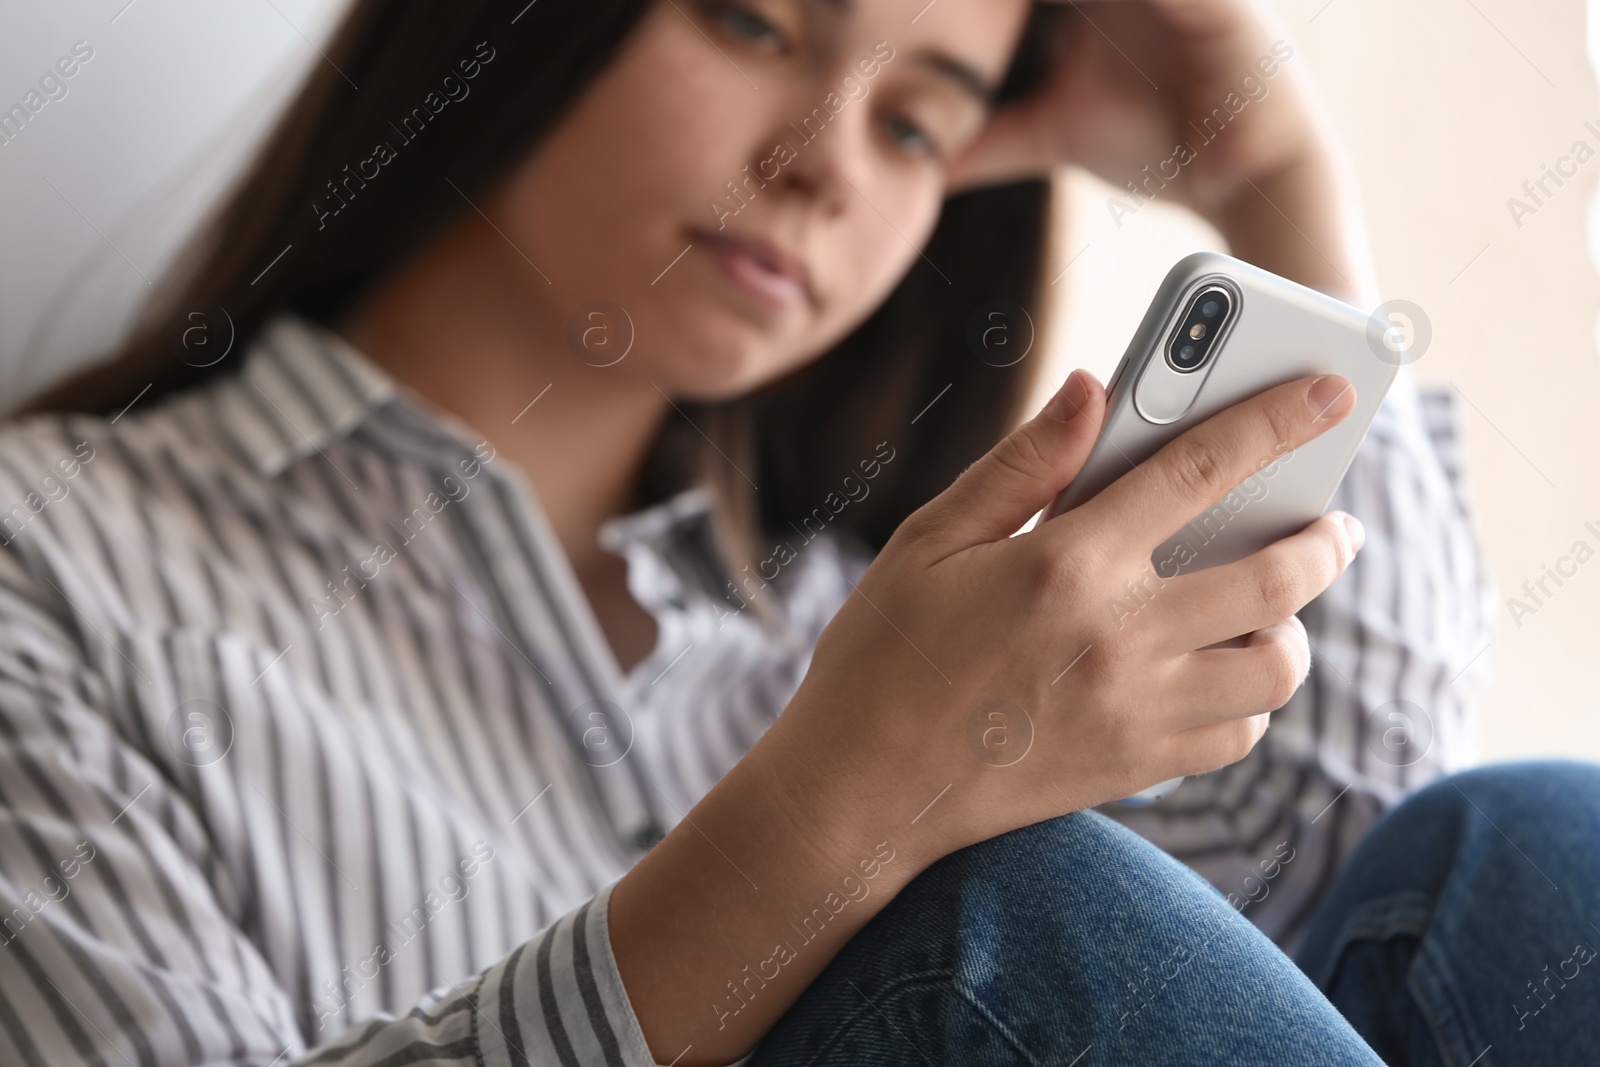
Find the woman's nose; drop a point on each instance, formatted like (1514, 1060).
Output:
(829, 151)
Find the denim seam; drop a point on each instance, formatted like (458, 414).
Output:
(1429, 980)
(997, 1025)
(900, 985)
(1373, 921)
(1434, 989)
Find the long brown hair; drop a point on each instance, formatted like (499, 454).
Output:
(916, 382)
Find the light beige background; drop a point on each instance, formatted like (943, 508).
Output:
(1447, 107)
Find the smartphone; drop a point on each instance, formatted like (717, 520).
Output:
(1219, 331)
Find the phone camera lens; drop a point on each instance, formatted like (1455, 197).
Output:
(1197, 333)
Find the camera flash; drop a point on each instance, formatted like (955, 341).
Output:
(1197, 331)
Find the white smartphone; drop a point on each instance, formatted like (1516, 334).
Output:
(1219, 331)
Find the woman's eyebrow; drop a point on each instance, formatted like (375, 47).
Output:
(959, 71)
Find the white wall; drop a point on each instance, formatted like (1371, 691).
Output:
(148, 129)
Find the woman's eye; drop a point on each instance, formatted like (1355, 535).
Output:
(908, 135)
(747, 25)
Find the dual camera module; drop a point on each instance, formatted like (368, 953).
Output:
(1198, 330)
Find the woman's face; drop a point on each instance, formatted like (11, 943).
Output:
(725, 135)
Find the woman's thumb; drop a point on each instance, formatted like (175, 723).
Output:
(994, 496)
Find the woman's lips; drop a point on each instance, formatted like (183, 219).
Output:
(757, 267)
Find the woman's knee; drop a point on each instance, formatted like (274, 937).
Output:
(1073, 866)
(1548, 808)
(1051, 890)
(1457, 902)
(1069, 933)
(1524, 791)
(1470, 843)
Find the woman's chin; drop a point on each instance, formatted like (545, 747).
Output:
(722, 358)
(715, 372)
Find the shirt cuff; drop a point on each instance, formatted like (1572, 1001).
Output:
(559, 999)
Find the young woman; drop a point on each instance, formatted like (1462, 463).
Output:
(393, 635)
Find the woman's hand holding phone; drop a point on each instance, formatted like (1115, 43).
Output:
(886, 758)
(956, 615)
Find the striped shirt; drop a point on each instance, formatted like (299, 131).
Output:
(313, 750)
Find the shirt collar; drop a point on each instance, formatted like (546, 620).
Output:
(655, 521)
(305, 387)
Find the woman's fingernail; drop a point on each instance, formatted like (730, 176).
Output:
(1357, 532)
(1069, 399)
(1329, 397)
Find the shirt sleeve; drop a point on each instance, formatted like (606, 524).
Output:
(1398, 647)
(121, 940)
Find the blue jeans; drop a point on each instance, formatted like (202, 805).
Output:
(1461, 932)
